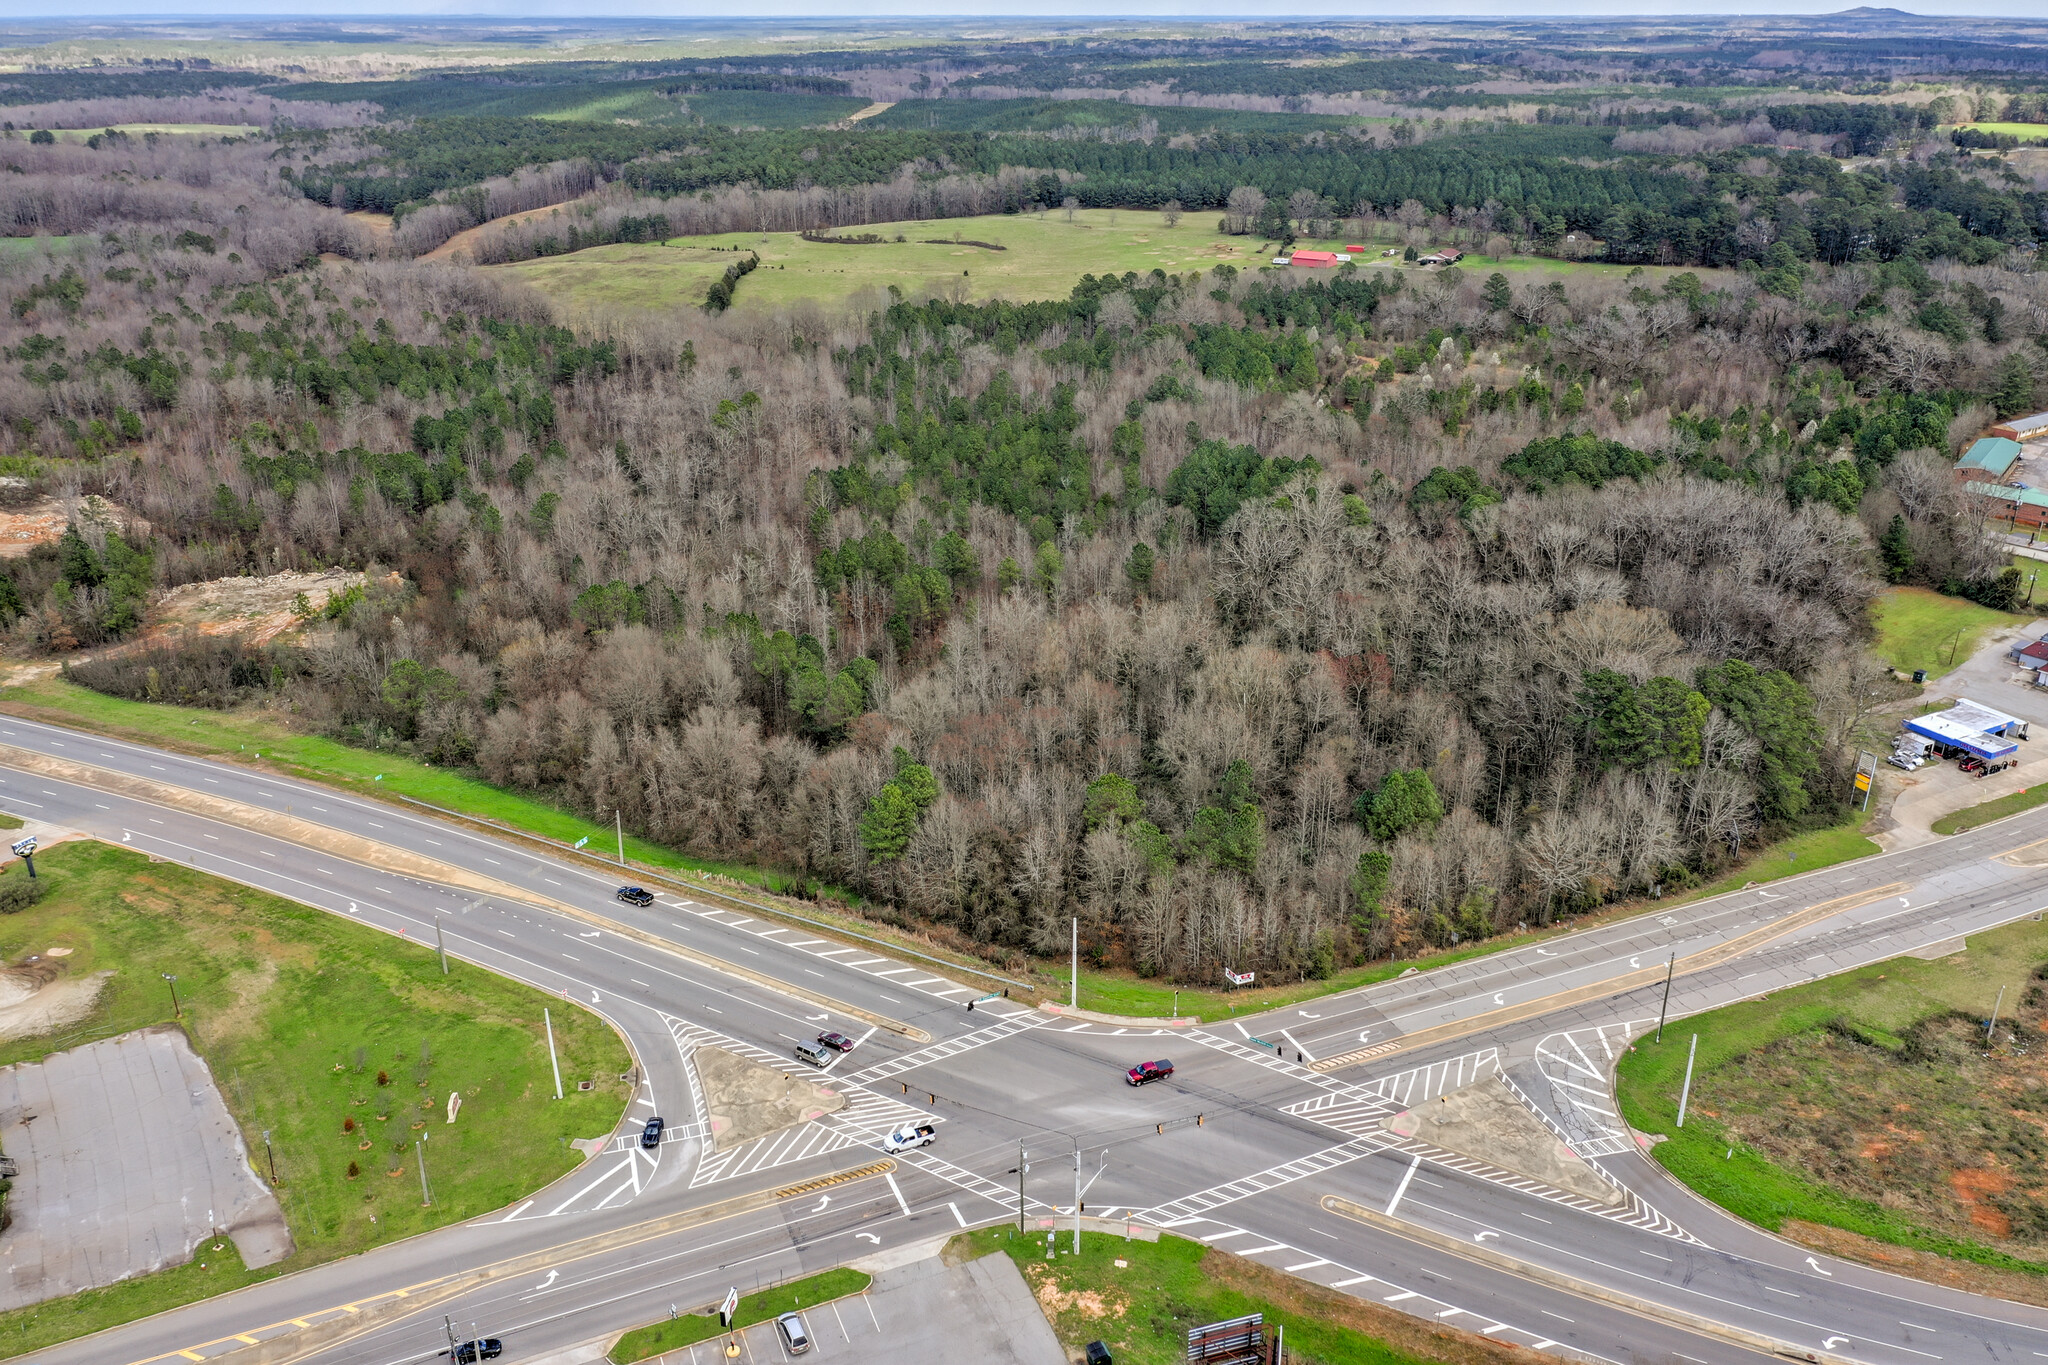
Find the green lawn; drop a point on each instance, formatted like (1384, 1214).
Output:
(1800, 853)
(797, 1295)
(314, 1026)
(1920, 628)
(1985, 812)
(2026, 132)
(1142, 1309)
(1042, 258)
(1879, 1002)
(164, 129)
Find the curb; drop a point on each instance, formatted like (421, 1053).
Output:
(1122, 1020)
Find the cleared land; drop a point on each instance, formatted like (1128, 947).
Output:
(1920, 628)
(2024, 131)
(1870, 1103)
(164, 129)
(1042, 258)
(343, 1042)
(1140, 1299)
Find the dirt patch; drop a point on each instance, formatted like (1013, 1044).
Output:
(462, 241)
(1487, 1123)
(42, 522)
(379, 225)
(747, 1100)
(259, 609)
(37, 998)
(1086, 1302)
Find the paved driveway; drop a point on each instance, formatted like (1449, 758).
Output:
(128, 1158)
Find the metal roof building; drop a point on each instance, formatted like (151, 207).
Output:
(1992, 455)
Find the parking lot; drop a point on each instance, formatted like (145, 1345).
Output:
(925, 1310)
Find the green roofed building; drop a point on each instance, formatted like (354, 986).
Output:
(1992, 456)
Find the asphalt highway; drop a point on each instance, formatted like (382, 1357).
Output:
(1290, 1103)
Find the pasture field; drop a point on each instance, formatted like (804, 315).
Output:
(1042, 257)
(163, 130)
(2026, 132)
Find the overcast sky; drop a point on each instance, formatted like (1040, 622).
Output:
(1040, 9)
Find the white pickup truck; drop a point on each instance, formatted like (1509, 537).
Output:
(908, 1136)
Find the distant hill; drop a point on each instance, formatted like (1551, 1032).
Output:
(1872, 12)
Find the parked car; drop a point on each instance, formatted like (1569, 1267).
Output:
(1144, 1073)
(1098, 1354)
(838, 1042)
(634, 895)
(1970, 763)
(483, 1348)
(650, 1136)
(812, 1053)
(1907, 761)
(795, 1340)
(908, 1136)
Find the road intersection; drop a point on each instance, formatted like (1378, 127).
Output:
(1290, 1163)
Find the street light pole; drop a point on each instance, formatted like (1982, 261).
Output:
(548, 1022)
(270, 1154)
(1077, 965)
(176, 1011)
(1077, 1193)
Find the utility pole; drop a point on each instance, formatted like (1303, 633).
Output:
(1077, 963)
(441, 945)
(419, 1149)
(1077, 1194)
(1686, 1093)
(1021, 1168)
(176, 1012)
(547, 1021)
(1669, 968)
(619, 825)
(449, 1327)
(1992, 1027)
(270, 1154)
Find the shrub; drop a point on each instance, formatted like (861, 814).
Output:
(19, 893)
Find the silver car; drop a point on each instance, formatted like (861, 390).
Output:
(796, 1339)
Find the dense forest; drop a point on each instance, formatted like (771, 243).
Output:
(1259, 621)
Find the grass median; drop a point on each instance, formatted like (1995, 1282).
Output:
(691, 1328)
(1140, 1298)
(1870, 1104)
(341, 1041)
(1985, 812)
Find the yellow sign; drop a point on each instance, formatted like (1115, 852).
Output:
(1863, 782)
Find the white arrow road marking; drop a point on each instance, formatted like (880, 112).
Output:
(1497, 998)
(868, 1237)
(553, 1275)
(594, 1000)
(1904, 901)
(1365, 1035)
(1635, 962)
(816, 1018)
(1482, 1236)
(1306, 1015)
(352, 907)
(126, 836)
(1816, 1265)
(1769, 897)
(823, 1201)
(1832, 1342)
(1545, 952)
(592, 934)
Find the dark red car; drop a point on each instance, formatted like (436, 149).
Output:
(1144, 1073)
(838, 1042)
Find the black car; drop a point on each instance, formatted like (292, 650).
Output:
(650, 1136)
(483, 1348)
(838, 1042)
(1144, 1073)
(634, 895)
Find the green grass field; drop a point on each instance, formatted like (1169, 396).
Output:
(2026, 132)
(1140, 1298)
(163, 129)
(1986, 812)
(1883, 1001)
(1920, 628)
(1043, 258)
(1047, 115)
(691, 1328)
(298, 1014)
